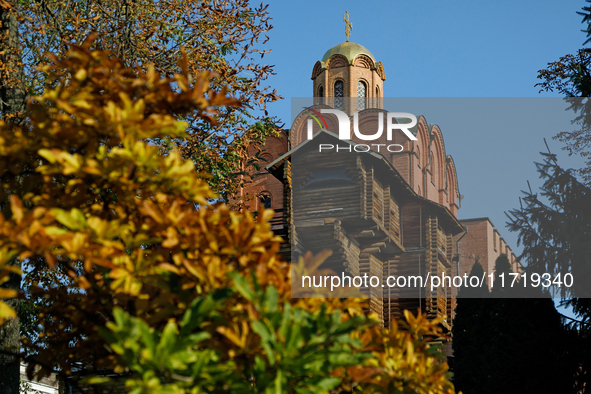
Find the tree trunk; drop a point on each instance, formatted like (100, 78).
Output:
(9, 342)
(12, 92)
(12, 105)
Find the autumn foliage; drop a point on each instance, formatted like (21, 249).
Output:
(152, 279)
(227, 37)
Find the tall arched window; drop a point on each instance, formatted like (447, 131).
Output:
(339, 93)
(320, 99)
(361, 95)
(376, 100)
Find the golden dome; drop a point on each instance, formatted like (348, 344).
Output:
(348, 49)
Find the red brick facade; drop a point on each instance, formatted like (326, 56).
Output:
(483, 242)
(262, 182)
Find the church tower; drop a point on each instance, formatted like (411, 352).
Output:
(348, 70)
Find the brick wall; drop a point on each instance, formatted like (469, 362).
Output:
(262, 182)
(483, 242)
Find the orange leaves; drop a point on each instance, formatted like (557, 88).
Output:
(6, 5)
(7, 253)
(209, 243)
(101, 197)
(16, 206)
(149, 209)
(172, 239)
(308, 266)
(238, 336)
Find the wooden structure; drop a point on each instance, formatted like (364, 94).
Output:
(358, 205)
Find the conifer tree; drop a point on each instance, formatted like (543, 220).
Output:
(507, 344)
(555, 228)
(571, 76)
(469, 362)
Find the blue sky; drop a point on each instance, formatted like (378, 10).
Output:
(444, 49)
(429, 48)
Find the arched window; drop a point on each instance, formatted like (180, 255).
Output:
(376, 100)
(339, 93)
(361, 95)
(266, 158)
(265, 201)
(320, 99)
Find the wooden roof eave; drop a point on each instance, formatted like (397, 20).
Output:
(455, 227)
(277, 163)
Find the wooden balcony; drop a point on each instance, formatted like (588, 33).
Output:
(278, 223)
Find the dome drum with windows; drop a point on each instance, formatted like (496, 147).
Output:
(348, 70)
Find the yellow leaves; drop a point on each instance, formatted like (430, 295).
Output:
(182, 81)
(176, 166)
(170, 268)
(407, 363)
(16, 206)
(126, 112)
(98, 226)
(64, 105)
(55, 231)
(84, 105)
(237, 336)
(76, 245)
(8, 293)
(81, 74)
(70, 163)
(125, 282)
(6, 312)
(171, 238)
(7, 253)
(74, 219)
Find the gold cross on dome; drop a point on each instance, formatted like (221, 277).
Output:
(348, 25)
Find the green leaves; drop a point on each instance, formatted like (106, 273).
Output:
(173, 359)
(303, 348)
(300, 349)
